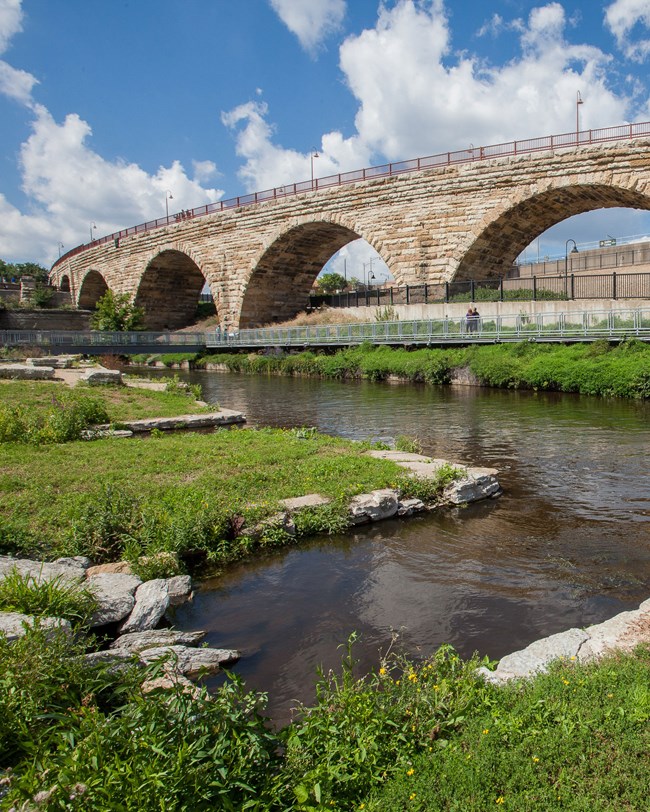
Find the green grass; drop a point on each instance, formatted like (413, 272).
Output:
(621, 370)
(121, 403)
(175, 493)
(575, 739)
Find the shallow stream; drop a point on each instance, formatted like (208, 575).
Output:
(568, 543)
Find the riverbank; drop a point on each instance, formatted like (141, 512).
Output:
(431, 735)
(599, 368)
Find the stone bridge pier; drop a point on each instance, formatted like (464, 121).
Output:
(452, 222)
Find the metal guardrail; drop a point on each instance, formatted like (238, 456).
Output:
(530, 288)
(470, 155)
(103, 342)
(487, 329)
(582, 326)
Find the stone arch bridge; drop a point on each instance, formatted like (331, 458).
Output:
(454, 216)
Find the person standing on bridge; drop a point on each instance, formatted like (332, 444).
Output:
(476, 316)
(469, 319)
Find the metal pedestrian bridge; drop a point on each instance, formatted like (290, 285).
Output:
(582, 326)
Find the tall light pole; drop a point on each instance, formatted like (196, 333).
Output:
(369, 274)
(93, 227)
(574, 250)
(168, 196)
(60, 247)
(578, 103)
(313, 154)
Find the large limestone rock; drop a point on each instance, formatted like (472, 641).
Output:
(477, 484)
(374, 506)
(68, 569)
(136, 642)
(623, 632)
(151, 602)
(23, 372)
(115, 594)
(179, 589)
(99, 376)
(14, 624)
(191, 662)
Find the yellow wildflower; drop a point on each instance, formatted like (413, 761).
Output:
(500, 800)
(410, 771)
(486, 731)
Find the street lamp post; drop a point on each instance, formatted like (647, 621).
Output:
(93, 227)
(578, 103)
(62, 246)
(168, 196)
(574, 250)
(313, 154)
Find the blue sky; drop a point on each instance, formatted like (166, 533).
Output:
(105, 107)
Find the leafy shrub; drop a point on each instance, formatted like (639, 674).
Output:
(62, 421)
(117, 312)
(364, 730)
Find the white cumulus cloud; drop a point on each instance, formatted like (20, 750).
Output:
(623, 18)
(312, 21)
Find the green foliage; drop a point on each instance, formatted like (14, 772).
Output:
(513, 295)
(176, 386)
(16, 539)
(205, 309)
(386, 313)
(19, 269)
(331, 519)
(364, 730)
(171, 358)
(331, 283)
(62, 420)
(46, 598)
(116, 312)
(41, 296)
(410, 445)
(428, 489)
(83, 743)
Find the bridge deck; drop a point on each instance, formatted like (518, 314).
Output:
(587, 325)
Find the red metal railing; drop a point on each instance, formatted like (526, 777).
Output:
(622, 132)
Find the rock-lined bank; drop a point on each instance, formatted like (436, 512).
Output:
(129, 610)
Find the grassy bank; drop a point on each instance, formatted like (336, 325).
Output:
(599, 368)
(200, 496)
(409, 736)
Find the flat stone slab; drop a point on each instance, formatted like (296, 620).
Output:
(224, 417)
(101, 376)
(68, 569)
(191, 662)
(140, 641)
(25, 372)
(374, 506)
(56, 361)
(300, 502)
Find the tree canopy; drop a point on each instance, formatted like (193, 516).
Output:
(331, 282)
(15, 270)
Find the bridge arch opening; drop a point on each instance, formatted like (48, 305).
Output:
(279, 286)
(169, 291)
(92, 289)
(64, 284)
(495, 250)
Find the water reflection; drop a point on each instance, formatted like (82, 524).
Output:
(568, 543)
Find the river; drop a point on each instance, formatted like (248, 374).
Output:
(567, 544)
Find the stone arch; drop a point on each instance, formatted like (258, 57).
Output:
(278, 287)
(495, 245)
(93, 287)
(64, 284)
(169, 289)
